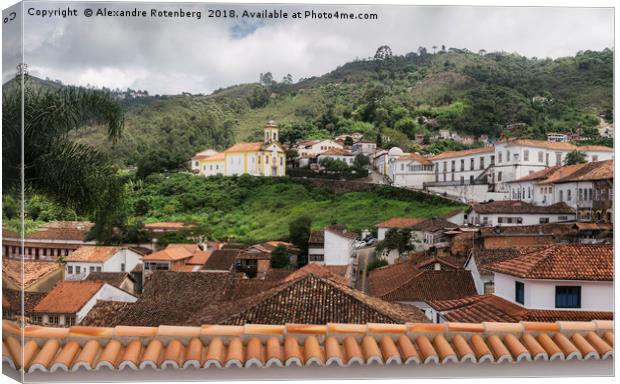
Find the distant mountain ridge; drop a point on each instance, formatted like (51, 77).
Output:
(394, 96)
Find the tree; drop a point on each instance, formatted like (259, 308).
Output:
(361, 161)
(407, 126)
(384, 52)
(575, 157)
(395, 238)
(266, 79)
(299, 232)
(73, 175)
(279, 257)
(377, 263)
(158, 161)
(379, 140)
(348, 141)
(259, 97)
(288, 79)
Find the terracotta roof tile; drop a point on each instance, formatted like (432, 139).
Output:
(307, 300)
(337, 152)
(317, 237)
(243, 147)
(541, 144)
(173, 252)
(244, 349)
(93, 253)
(522, 207)
(562, 262)
(404, 283)
(598, 170)
(221, 260)
(415, 157)
(467, 152)
(12, 299)
(33, 271)
(199, 258)
(479, 308)
(68, 296)
(401, 222)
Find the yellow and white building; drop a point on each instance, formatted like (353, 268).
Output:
(265, 158)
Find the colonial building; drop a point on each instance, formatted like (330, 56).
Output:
(411, 170)
(70, 301)
(365, 147)
(586, 188)
(517, 212)
(95, 258)
(266, 158)
(49, 242)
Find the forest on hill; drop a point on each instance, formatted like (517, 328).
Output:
(389, 96)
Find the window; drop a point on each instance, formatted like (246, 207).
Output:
(499, 176)
(462, 165)
(402, 167)
(519, 292)
(445, 166)
(98, 269)
(526, 155)
(471, 164)
(519, 220)
(37, 319)
(562, 218)
(507, 156)
(567, 297)
(69, 321)
(547, 159)
(558, 158)
(482, 163)
(594, 158)
(70, 269)
(122, 267)
(91, 269)
(500, 220)
(453, 166)
(540, 157)
(499, 159)
(471, 179)
(543, 220)
(78, 269)
(52, 319)
(509, 220)
(568, 195)
(561, 195)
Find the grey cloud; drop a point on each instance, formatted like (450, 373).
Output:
(170, 56)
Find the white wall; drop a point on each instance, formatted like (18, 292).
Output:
(527, 219)
(338, 249)
(212, 168)
(107, 293)
(468, 193)
(113, 264)
(318, 148)
(540, 294)
(234, 164)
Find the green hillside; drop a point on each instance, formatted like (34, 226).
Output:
(253, 209)
(397, 96)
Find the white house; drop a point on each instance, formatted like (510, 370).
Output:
(380, 161)
(482, 174)
(517, 212)
(586, 188)
(197, 158)
(543, 279)
(338, 246)
(365, 147)
(313, 148)
(411, 170)
(89, 259)
(70, 301)
(343, 155)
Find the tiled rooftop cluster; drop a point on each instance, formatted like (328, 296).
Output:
(165, 347)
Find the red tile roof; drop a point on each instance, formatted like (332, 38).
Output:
(562, 262)
(199, 258)
(467, 152)
(173, 252)
(68, 296)
(598, 170)
(337, 152)
(290, 345)
(415, 157)
(522, 207)
(245, 147)
(33, 271)
(404, 283)
(478, 308)
(401, 222)
(93, 253)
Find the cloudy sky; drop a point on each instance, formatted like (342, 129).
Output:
(169, 56)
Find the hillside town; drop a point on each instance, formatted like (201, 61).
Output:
(534, 243)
